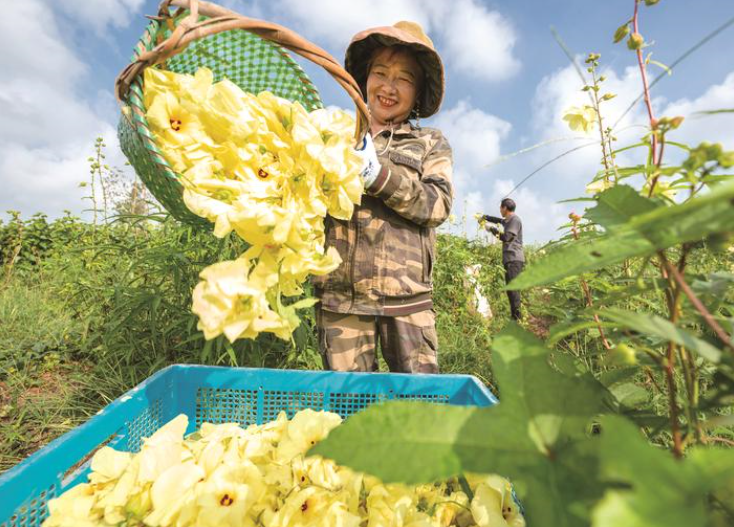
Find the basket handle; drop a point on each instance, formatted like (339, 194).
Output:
(222, 19)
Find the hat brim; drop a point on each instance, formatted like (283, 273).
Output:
(364, 44)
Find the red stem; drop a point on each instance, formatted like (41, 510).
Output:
(645, 85)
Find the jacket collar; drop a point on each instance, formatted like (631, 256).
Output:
(405, 128)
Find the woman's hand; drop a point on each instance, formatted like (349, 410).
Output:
(371, 167)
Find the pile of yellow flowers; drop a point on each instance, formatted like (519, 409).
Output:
(227, 476)
(267, 169)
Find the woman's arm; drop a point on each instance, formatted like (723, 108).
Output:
(427, 201)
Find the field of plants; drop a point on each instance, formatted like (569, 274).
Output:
(616, 389)
(89, 311)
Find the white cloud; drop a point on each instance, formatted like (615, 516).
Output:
(474, 135)
(46, 179)
(475, 138)
(32, 46)
(99, 14)
(477, 41)
(472, 39)
(332, 23)
(717, 128)
(47, 125)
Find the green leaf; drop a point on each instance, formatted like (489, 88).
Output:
(537, 436)
(630, 395)
(396, 440)
(663, 329)
(617, 205)
(643, 235)
(562, 330)
(656, 489)
(714, 112)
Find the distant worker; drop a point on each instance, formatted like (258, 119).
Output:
(513, 258)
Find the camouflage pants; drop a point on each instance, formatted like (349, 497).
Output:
(408, 343)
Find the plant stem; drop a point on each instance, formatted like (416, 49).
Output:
(597, 107)
(646, 88)
(587, 294)
(672, 396)
(707, 316)
(673, 299)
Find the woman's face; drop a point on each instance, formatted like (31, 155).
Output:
(392, 85)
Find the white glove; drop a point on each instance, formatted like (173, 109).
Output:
(371, 168)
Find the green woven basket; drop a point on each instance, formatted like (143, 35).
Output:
(255, 63)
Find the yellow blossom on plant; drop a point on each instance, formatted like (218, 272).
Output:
(580, 118)
(600, 185)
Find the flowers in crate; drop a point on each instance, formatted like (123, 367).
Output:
(228, 476)
(268, 170)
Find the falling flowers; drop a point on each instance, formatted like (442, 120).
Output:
(268, 170)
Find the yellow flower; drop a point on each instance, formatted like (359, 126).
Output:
(226, 301)
(600, 185)
(389, 505)
(74, 509)
(163, 450)
(312, 507)
(108, 464)
(494, 506)
(224, 475)
(172, 492)
(269, 170)
(307, 428)
(580, 118)
(223, 500)
(174, 123)
(662, 188)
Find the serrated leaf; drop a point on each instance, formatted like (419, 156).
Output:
(617, 205)
(660, 491)
(663, 329)
(537, 436)
(642, 235)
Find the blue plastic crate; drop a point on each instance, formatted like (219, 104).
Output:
(209, 394)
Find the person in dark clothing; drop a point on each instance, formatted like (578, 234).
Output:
(513, 258)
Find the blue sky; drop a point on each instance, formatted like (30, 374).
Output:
(508, 85)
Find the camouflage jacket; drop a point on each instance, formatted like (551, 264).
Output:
(388, 247)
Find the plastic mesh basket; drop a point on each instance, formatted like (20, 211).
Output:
(209, 394)
(248, 52)
(254, 64)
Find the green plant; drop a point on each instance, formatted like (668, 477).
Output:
(622, 421)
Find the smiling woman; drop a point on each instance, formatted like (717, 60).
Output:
(382, 291)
